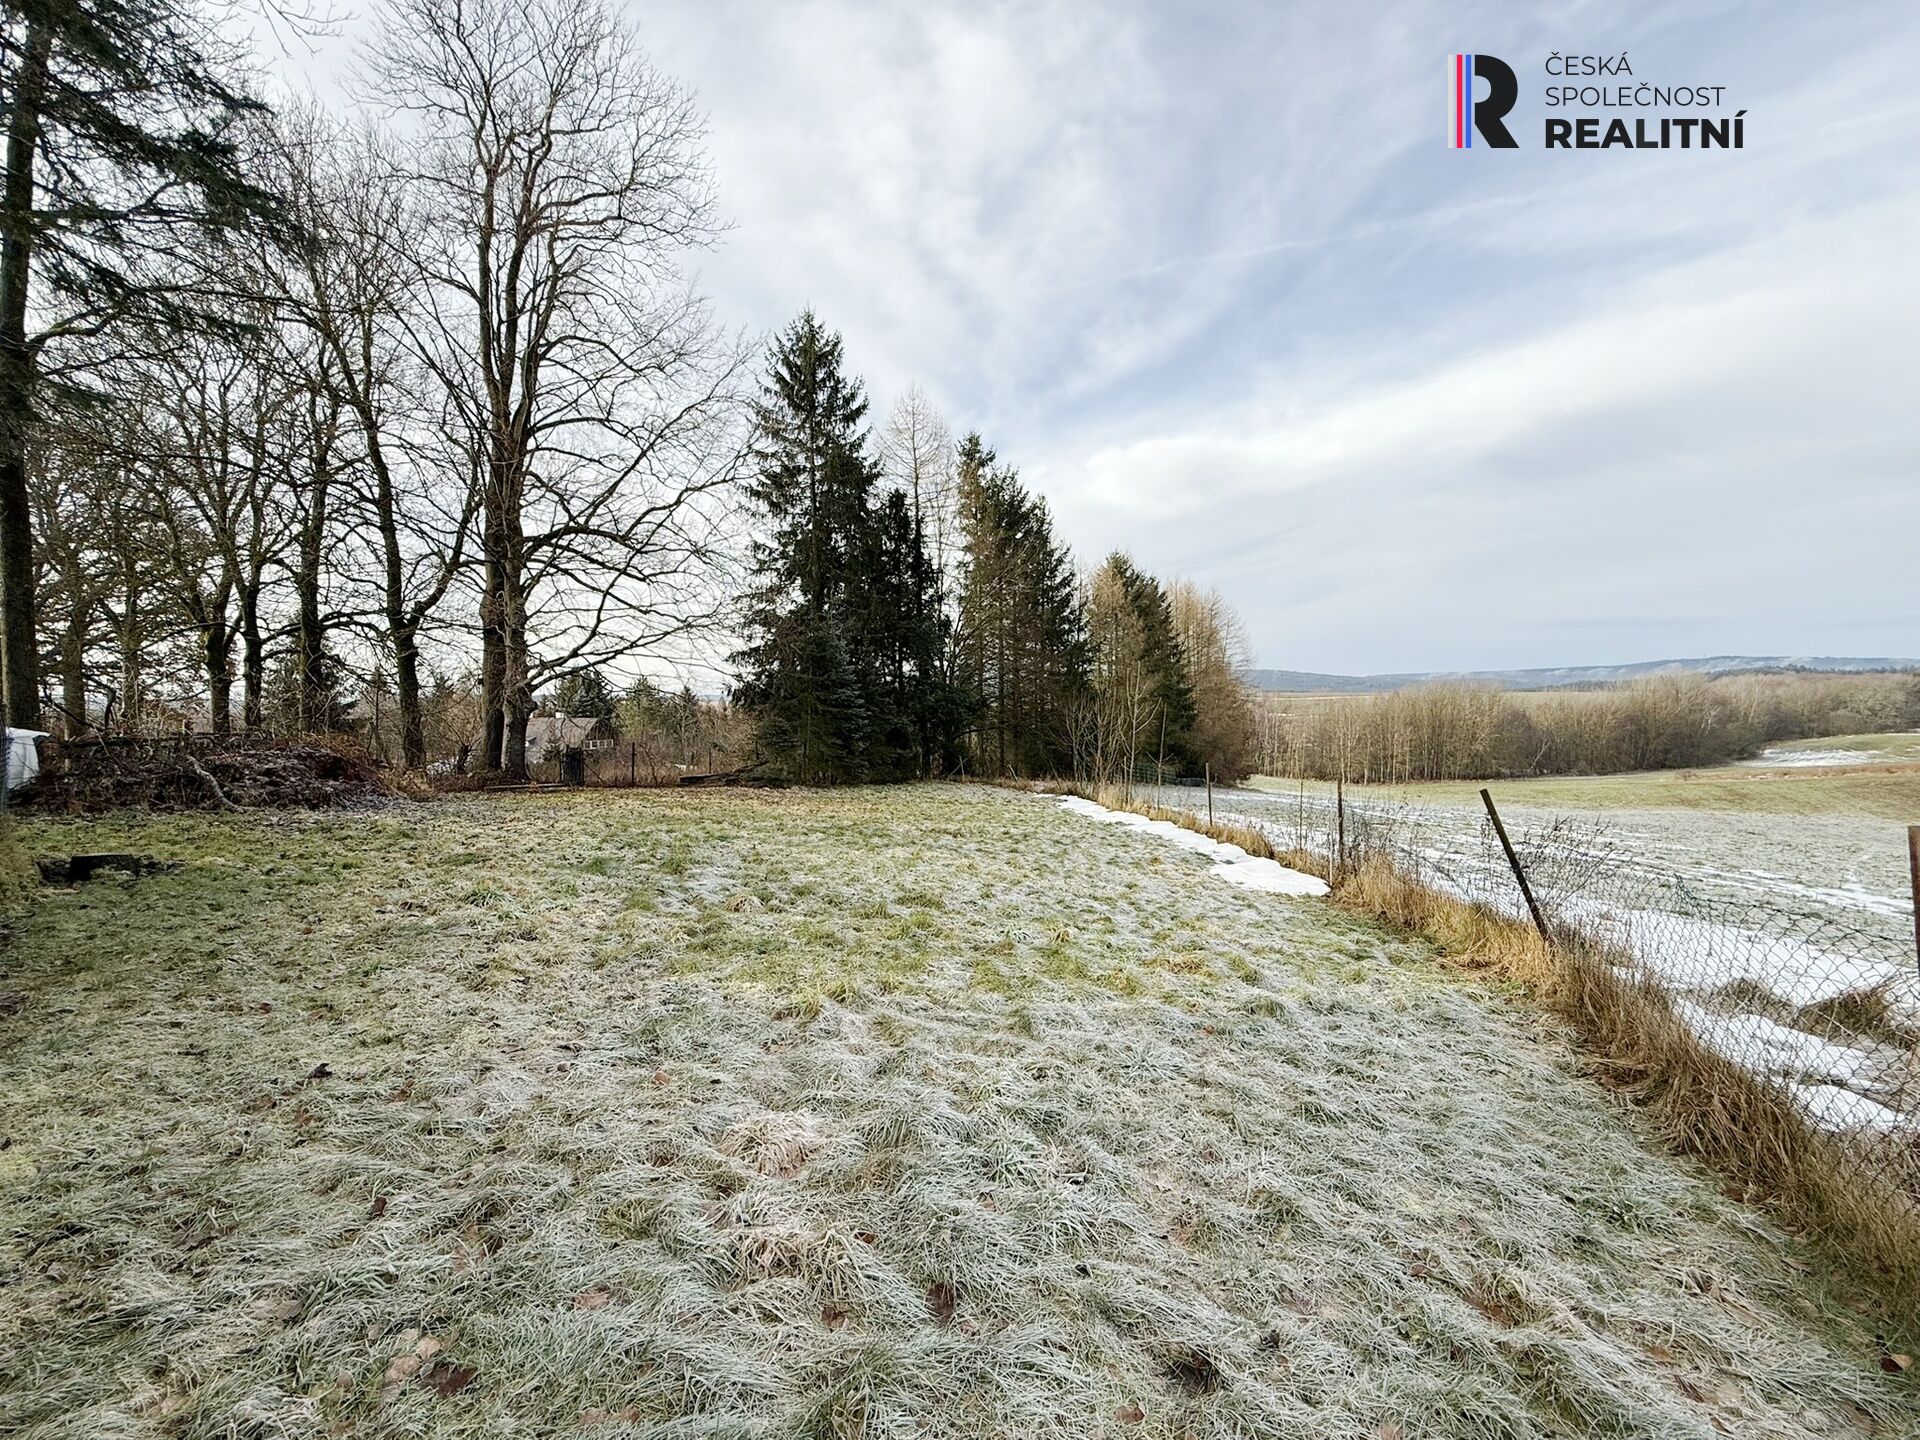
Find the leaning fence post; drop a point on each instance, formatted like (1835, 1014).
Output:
(1913, 879)
(1526, 890)
(1209, 770)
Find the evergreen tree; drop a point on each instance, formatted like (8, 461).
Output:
(1156, 651)
(585, 692)
(812, 618)
(1022, 648)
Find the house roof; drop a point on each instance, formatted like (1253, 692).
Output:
(558, 731)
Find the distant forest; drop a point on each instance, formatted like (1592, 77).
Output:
(1459, 731)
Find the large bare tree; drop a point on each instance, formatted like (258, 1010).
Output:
(561, 177)
(119, 149)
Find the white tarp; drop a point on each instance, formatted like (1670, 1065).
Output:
(23, 756)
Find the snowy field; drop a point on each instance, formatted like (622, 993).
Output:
(1766, 927)
(935, 1111)
(1895, 748)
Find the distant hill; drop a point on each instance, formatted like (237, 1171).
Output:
(1312, 682)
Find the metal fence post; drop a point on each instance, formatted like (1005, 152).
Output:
(1526, 890)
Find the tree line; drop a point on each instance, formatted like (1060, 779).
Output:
(1475, 732)
(408, 405)
(290, 394)
(911, 611)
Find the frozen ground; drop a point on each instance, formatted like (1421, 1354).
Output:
(1897, 748)
(926, 1111)
(1732, 909)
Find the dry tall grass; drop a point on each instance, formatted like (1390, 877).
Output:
(1696, 1101)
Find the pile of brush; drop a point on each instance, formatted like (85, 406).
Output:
(201, 772)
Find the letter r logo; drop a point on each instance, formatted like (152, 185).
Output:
(1466, 114)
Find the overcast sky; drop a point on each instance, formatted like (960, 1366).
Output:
(1211, 278)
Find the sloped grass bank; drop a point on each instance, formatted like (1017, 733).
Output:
(927, 1110)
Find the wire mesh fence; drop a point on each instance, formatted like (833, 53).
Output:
(1810, 988)
(621, 764)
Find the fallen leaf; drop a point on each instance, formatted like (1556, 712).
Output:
(1895, 1364)
(402, 1367)
(428, 1347)
(281, 1307)
(661, 1077)
(322, 1071)
(941, 1302)
(445, 1378)
(1129, 1414)
(378, 1208)
(833, 1316)
(1389, 1430)
(592, 1300)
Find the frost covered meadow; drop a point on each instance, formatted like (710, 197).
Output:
(929, 1110)
(1786, 935)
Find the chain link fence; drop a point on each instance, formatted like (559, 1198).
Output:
(1807, 988)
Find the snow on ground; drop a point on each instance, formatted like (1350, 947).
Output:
(1231, 863)
(1722, 869)
(1769, 1048)
(1833, 1108)
(1778, 759)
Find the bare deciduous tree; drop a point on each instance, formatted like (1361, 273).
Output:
(561, 175)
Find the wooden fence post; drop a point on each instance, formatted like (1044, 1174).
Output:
(1209, 770)
(1913, 878)
(1340, 823)
(1526, 890)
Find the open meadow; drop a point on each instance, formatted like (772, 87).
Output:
(933, 1110)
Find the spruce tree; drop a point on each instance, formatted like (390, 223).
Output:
(808, 672)
(1165, 662)
(1022, 642)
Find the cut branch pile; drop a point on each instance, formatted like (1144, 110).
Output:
(201, 772)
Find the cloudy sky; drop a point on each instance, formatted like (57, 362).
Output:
(1209, 275)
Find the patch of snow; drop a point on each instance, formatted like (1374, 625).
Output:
(1808, 759)
(1231, 862)
(1771, 1049)
(1250, 873)
(1833, 1108)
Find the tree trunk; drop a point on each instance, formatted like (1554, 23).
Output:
(253, 711)
(253, 660)
(19, 665)
(406, 680)
(310, 642)
(73, 669)
(218, 649)
(493, 670)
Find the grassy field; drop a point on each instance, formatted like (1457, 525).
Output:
(930, 1111)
